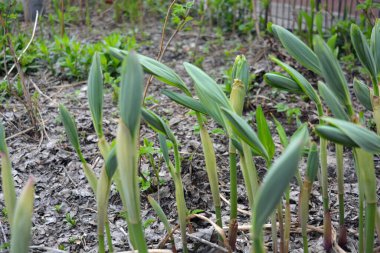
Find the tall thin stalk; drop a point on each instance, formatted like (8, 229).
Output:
(342, 240)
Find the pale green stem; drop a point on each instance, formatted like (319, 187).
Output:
(182, 210)
(287, 221)
(325, 195)
(367, 174)
(212, 171)
(250, 173)
(340, 177)
(109, 236)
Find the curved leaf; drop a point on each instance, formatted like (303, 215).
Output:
(375, 45)
(155, 68)
(335, 135)
(242, 130)
(95, 94)
(277, 180)
(282, 82)
(363, 94)
(297, 49)
(164, 148)
(332, 72)
(363, 137)
(300, 80)
(264, 133)
(71, 130)
(209, 92)
(21, 227)
(312, 162)
(131, 91)
(111, 163)
(3, 144)
(185, 100)
(158, 124)
(332, 102)
(362, 50)
(160, 213)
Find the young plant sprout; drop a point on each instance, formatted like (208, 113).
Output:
(20, 210)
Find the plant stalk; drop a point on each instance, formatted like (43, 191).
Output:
(325, 195)
(342, 240)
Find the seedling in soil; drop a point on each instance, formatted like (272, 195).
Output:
(58, 208)
(70, 220)
(20, 210)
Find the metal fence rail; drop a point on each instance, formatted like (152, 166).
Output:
(285, 12)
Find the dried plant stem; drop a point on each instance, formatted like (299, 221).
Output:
(25, 49)
(26, 98)
(161, 51)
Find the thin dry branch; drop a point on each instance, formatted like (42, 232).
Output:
(26, 48)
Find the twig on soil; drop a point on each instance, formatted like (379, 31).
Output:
(213, 245)
(218, 229)
(40, 92)
(19, 133)
(229, 204)
(167, 237)
(26, 48)
(68, 85)
(3, 232)
(50, 250)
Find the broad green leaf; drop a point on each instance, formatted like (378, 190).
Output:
(264, 133)
(71, 130)
(300, 80)
(375, 45)
(237, 145)
(3, 144)
(209, 92)
(312, 162)
(297, 49)
(335, 135)
(362, 50)
(282, 82)
(332, 72)
(332, 102)
(331, 42)
(21, 227)
(281, 132)
(158, 124)
(155, 68)
(363, 137)
(95, 94)
(164, 148)
(131, 89)
(111, 163)
(242, 130)
(277, 180)
(7, 180)
(319, 23)
(185, 100)
(363, 94)
(160, 213)
(240, 70)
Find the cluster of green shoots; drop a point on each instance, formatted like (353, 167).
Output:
(339, 123)
(121, 155)
(268, 198)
